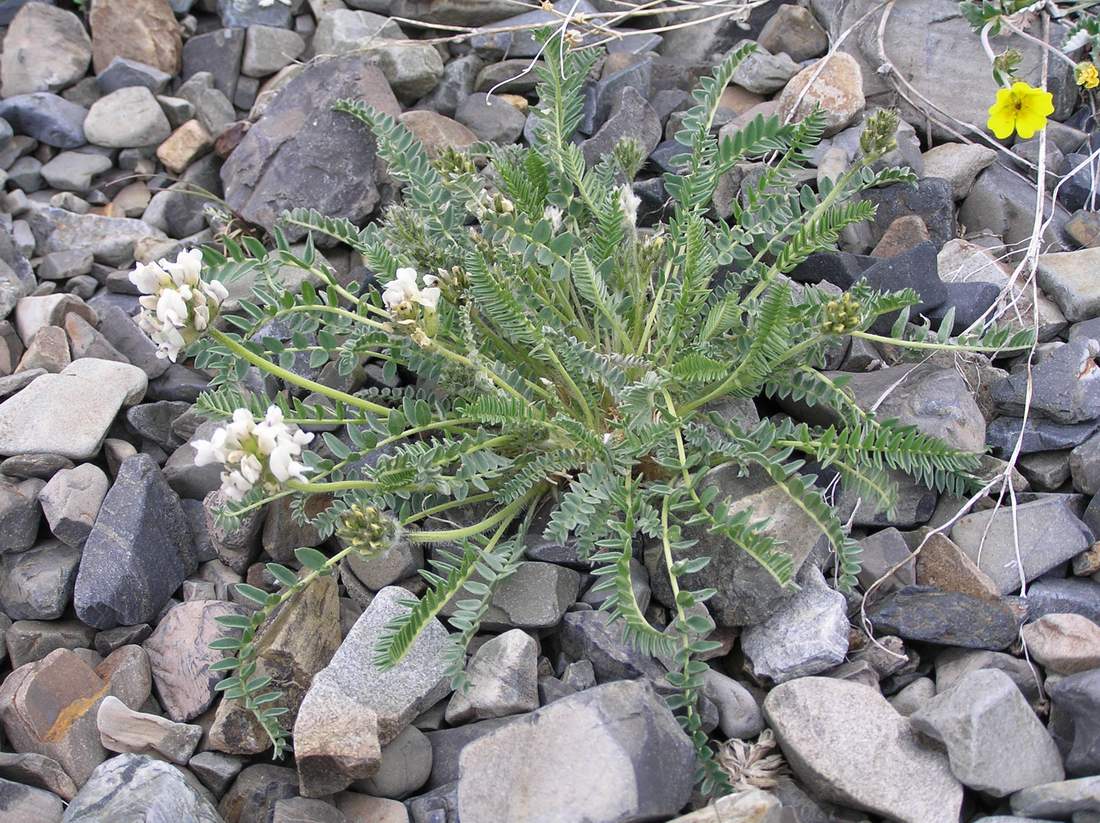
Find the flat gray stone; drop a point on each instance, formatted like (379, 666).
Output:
(25, 804)
(849, 746)
(127, 788)
(994, 741)
(47, 118)
(37, 584)
(110, 239)
(1060, 799)
(69, 413)
(45, 49)
(503, 680)
(613, 753)
(1069, 278)
(128, 118)
(71, 501)
(121, 729)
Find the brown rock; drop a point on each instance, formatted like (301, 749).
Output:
(838, 89)
(230, 138)
(49, 707)
(180, 656)
(184, 146)
(48, 349)
(357, 807)
(1084, 228)
(86, 341)
(1088, 561)
(340, 747)
(122, 729)
(1064, 643)
(142, 30)
(905, 233)
(296, 643)
(945, 566)
(437, 132)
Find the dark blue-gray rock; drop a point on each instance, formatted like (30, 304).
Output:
(129, 787)
(1061, 799)
(244, 13)
(1038, 435)
(1065, 385)
(20, 515)
(178, 383)
(123, 72)
(123, 333)
(970, 301)
(217, 771)
(20, 803)
(219, 53)
(209, 105)
(268, 49)
(457, 83)
(1037, 535)
(1073, 595)
(931, 199)
(138, 552)
(1003, 203)
(592, 635)
(328, 166)
(994, 741)
(1075, 721)
(600, 98)
(881, 552)
(849, 746)
(631, 118)
(617, 747)
(47, 118)
(448, 745)
(946, 618)
(257, 789)
(1078, 189)
(153, 421)
(37, 584)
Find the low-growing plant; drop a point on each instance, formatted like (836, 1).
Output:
(560, 361)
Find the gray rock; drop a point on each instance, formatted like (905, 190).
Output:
(1060, 799)
(1038, 435)
(125, 789)
(739, 715)
(62, 265)
(412, 69)
(110, 239)
(959, 164)
(384, 701)
(491, 118)
(266, 172)
(502, 680)
(535, 596)
(37, 584)
(517, 41)
(994, 741)
(456, 85)
(806, 635)
(1046, 532)
(593, 636)
(73, 171)
(765, 73)
(405, 767)
(20, 515)
(212, 108)
(1003, 203)
(138, 552)
(253, 796)
(31, 640)
(793, 30)
(346, 30)
(268, 49)
(217, 53)
(128, 118)
(37, 770)
(47, 118)
(26, 804)
(1074, 595)
(617, 747)
(396, 563)
(453, 12)
(123, 72)
(68, 413)
(848, 745)
(631, 118)
(217, 771)
(948, 618)
(1066, 277)
(448, 745)
(954, 664)
(123, 333)
(303, 810)
(1075, 721)
(71, 501)
(45, 49)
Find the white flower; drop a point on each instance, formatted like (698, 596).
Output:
(403, 289)
(629, 202)
(265, 3)
(176, 304)
(554, 215)
(264, 453)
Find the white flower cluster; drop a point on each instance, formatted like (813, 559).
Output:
(265, 453)
(403, 291)
(176, 304)
(265, 3)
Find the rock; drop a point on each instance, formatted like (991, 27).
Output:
(1063, 643)
(514, 36)
(904, 234)
(1066, 277)
(453, 12)
(303, 810)
(617, 746)
(746, 806)
(264, 175)
(37, 584)
(213, 60)
(124, 730)
(437, 132)
(849, 746)
(747, 593)
(47, 118)
(110, 239)
(806, 635)
(254, 794)
(244, 13)
(71, 502)
(503, 680)
(216, 771)
(1060, 799)
(346, 30)
(792, 30)
(1084, 229)
(180, 656)
(138, 552)
(129, 117)
(837, 88)
(24, 804)
(941, 564)
(631, 118)
(184, 146)
(947, 618)
(594, 636)
(19, 516)
(141, 30)
(765, 73)
(994, 741)
(459, 76)
(405, 767)
(34, 313)
(953, 664)
(122, 333)
(535, 596)
(1075, 721)
(296, 642)
(1050, 596)
(959, 164)
(913, 696)
(331, 747)
(492, 119)
(881, 552)
(82, 403)
(268, 49)
(411, 69)
(37, 770)
(45, 49)
(127, 788)
(1003, 203)
(1046, 532)
(123, 72)
(48, 351)
(375, 809)
(739, 715)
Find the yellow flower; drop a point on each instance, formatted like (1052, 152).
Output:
(1022, 109)
(1086, 75)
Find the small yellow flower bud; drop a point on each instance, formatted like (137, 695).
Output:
(1086, 75)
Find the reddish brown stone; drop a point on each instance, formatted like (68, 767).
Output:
(142, 30)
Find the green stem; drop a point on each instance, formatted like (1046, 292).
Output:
(505, 515)
(920, 344)
(450, 504)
